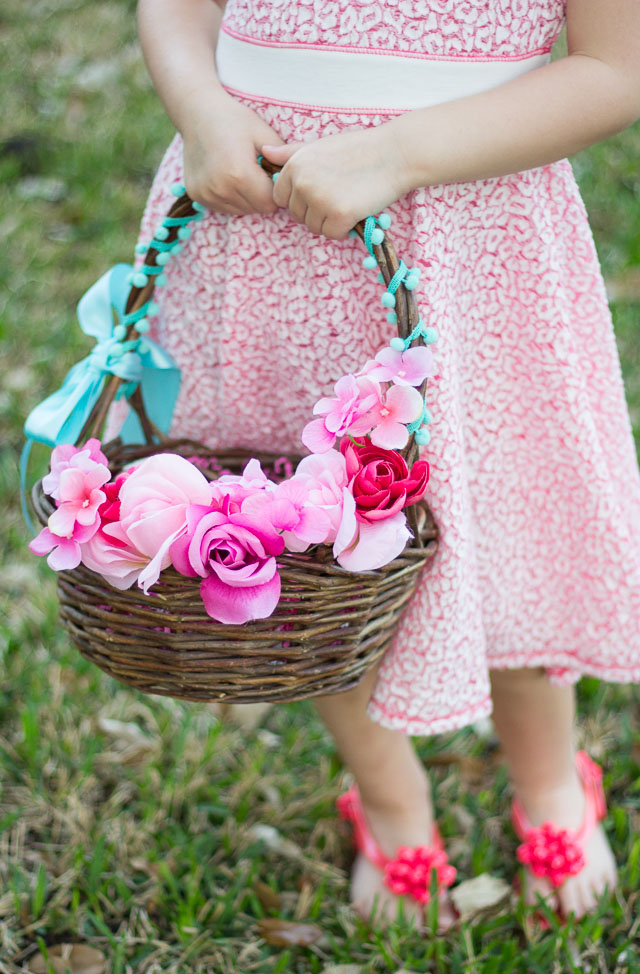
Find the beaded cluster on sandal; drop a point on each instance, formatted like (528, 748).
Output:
(557, 853)
(409, 872)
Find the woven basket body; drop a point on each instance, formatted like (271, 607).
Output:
(329, 627)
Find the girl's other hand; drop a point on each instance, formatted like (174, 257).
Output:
(221, 149)
(331, 184)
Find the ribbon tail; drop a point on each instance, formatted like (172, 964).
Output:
(159, 385)
(24, 463)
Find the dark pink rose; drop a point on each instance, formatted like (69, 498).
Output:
(381, 483)
(234, 553)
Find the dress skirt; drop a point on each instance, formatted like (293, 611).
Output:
(534, 477)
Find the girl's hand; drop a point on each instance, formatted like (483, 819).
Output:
(221, 148)
(332, 183)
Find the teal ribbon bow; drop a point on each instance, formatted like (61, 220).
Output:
(61, 417)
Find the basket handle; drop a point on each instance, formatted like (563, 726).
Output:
(182, 211)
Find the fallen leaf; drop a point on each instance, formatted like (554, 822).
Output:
(244, 715)
(483, 892)
(130, 743)
(69, 959)
(342, 969)
(47, 188)
(125, 731)
(269, 898)
(275, 841)
(287, 933)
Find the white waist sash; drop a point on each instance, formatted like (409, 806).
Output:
(328, 76)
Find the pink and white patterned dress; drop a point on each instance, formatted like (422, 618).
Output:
(534, 476)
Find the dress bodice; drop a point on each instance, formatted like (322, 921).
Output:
(499, 29)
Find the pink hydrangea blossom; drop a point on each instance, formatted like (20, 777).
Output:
(64, 553)
(401, 405)
(67, 456)
(252, 482)
(291, 512)
(153, 506)
(78, 498)
(234, 553)
(252, 478)
(349, 411)
(409, 368)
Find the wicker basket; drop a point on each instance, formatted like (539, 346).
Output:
(329, 627)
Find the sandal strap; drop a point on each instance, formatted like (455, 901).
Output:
(595, 803)
(350, 808)
(409, 872)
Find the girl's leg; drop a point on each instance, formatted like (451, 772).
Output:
(534, 721)
(394, 789)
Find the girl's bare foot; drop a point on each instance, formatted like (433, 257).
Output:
(565, 807)
(393, 825)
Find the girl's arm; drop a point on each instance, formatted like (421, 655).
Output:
(550, 113)
(222, 137)
(536, 119)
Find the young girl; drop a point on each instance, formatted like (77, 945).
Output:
(448, 115)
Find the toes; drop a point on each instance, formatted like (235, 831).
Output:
(589, 899)
(571, 901)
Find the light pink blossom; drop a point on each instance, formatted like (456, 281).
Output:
(67, 456)
(253, 477)
(349, 411)
(153, 505)
(402, 404)
(65, 552)
(290, 510)
(409, 368)
(78, 500)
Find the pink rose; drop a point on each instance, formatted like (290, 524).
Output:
(234, 554)
(380, 480)
(153, 508)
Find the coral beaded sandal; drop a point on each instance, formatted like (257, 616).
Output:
(555, 853)
(409, 872)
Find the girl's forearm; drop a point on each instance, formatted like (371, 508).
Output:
(178, 39)
(550, 113)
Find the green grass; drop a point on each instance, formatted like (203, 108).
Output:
(143, 844)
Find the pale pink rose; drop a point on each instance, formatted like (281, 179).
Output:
(325, 476)
(153, 505)
(109, 552)
(67, 456)
(402, 405)
(349, 411)
(370, 546)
